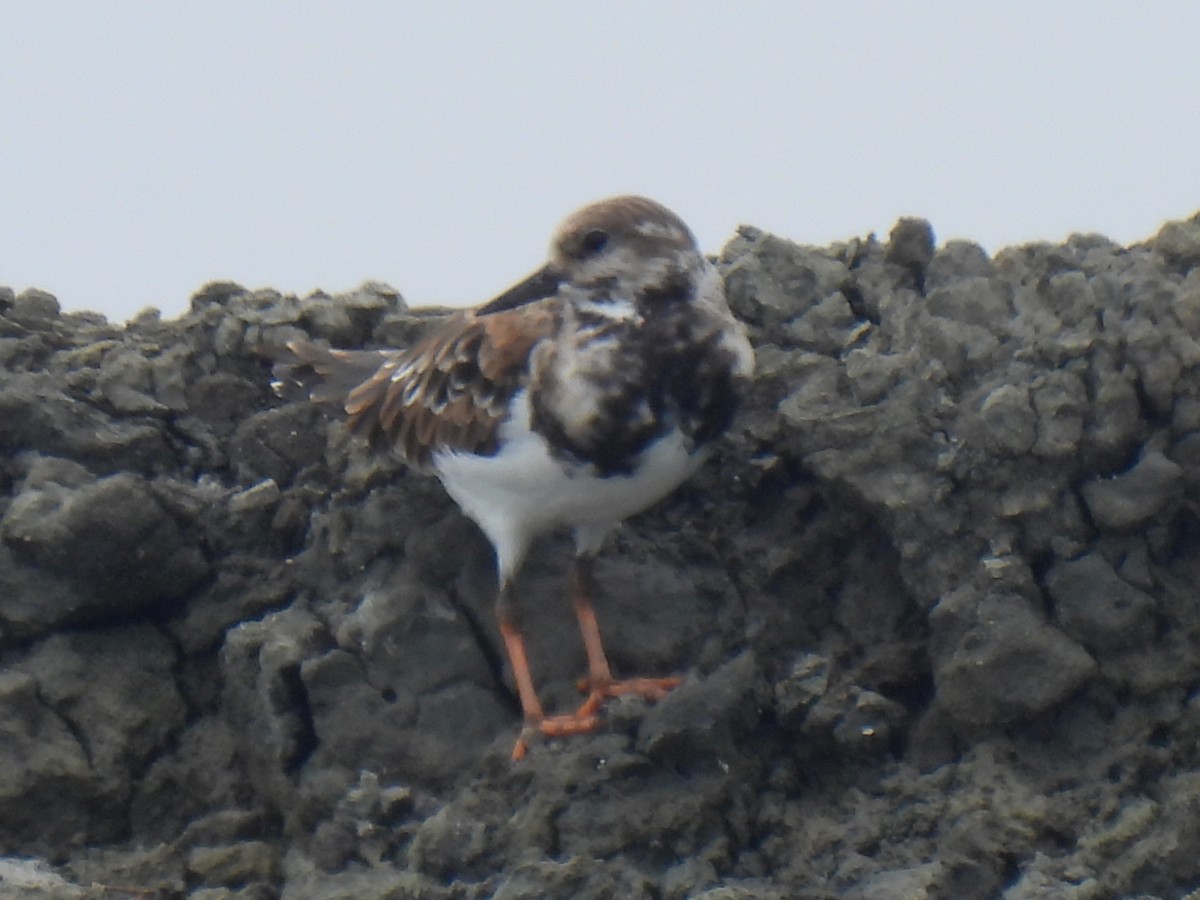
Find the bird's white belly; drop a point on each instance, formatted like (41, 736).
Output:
(522, 491)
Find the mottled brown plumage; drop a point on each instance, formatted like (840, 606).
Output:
(451, 390)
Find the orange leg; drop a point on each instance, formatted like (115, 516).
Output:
(599, 682)
(578, 722)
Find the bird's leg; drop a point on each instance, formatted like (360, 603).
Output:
(514, 644)
(599, 683)
(582, 584)
(531, 707)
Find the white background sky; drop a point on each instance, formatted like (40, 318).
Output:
(149, 147)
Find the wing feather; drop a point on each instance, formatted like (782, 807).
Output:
(450, 391)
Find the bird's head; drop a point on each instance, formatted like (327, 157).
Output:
(628, 250)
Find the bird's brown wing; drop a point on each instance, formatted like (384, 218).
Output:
(450, 390)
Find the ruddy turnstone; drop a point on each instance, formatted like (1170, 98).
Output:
(578, 397)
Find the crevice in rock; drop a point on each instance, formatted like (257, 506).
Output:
(304, 735)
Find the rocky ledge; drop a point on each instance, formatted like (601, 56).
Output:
(937, 600)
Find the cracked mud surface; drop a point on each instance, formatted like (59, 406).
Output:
(936, 601)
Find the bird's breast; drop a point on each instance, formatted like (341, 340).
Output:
(528, 485)
(603, 395)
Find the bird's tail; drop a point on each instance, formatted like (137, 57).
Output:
(312, 370)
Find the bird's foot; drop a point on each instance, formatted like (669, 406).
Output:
(581, 721)
(587, 717)
(647, 688)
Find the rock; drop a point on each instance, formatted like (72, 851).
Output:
(1097, 607)
(32, 600)
(804, 684)
(42, 764)
(1008, 665)
(973, 301)
(264, 702)
(1179, 243)
(96, 706)
(1009, 419)
(958, 259)
(274, 444)
(39, 415)
(1059, 399)
(200, 772)
(703, 722)
(33, 879)
(576, 877)
(773, 281)
(933, 600)
(112, 539)
(34, 305)
(911, 245)
(871, 723)
(1131, 499)
(236, 865)
(220, 400)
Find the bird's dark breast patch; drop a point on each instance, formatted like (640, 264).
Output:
(669, 373)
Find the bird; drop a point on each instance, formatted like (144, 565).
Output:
(579, 396)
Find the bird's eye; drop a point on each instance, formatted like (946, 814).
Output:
(593, 242)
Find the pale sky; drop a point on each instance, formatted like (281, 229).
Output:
(149, 147)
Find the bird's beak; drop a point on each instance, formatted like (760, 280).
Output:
(541, 284)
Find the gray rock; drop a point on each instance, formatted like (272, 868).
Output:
(235, 865)
(703, 722)
(114, 687)
(276, 443)
(1116, 427)
(1179, 243)
(111, 538)
(1007, 665)
(263, 699)
(1060, 400)
(973, 301)
(1096, 606)
(42, 765)
(1131, 499)
(220, 400)
(86, 710)
(930, 642)
(911, 244)
(32, 601)
(804, 684)
(1009, 419)
(33, 879)
(175, 795)
(956, 260)
(771, 281)
(37, 414)
(34, 305)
